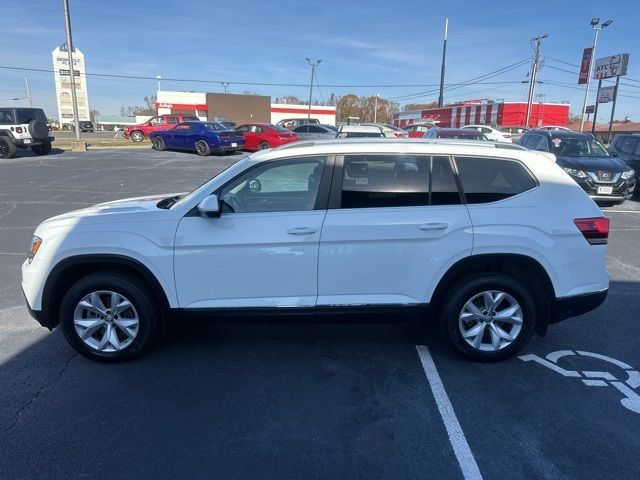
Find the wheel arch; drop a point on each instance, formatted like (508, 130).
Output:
(68, 271)
(526, 269)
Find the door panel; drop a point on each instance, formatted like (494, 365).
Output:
(248, 260)
(404, 226)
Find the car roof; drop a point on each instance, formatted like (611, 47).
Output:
(462, 131)
(360, 128)
(561, 133)
(256, 124)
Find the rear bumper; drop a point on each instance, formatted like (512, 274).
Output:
(574, 306)
(22, 144)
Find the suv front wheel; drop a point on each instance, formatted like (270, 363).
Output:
(489, 317)
(108, 316)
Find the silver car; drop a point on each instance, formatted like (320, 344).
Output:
(315, 131)
(390, 131)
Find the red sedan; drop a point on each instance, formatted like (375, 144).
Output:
(260, 136)
(416, 130)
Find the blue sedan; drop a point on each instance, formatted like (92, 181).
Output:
(203, 137)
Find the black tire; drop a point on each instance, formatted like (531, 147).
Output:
(202, 148)
(264, 146)
(38, 129)
(137, 136)
(8, 149)
(43, 149)
(158, 144)
(467, 288)
(129, 287)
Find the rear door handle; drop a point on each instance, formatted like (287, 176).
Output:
(433, 226)
(302, 230)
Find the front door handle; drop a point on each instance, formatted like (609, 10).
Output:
(433, 226)
(302, 230)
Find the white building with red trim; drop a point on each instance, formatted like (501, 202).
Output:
(195, 103)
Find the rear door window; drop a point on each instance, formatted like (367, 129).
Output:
(487, 180)
(376, 181)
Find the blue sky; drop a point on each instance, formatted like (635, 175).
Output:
(360, 43)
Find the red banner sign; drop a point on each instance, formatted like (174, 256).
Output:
(585, 65)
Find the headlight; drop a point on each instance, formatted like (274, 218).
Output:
(35, 246)
(628, 174)
(575, 173)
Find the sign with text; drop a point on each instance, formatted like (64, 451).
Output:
(585, 65)
(613, 66)
(63, 83)
(605, 94)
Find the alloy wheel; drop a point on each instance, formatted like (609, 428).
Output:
(490, 321)
(106, 321)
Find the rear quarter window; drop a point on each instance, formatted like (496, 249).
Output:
(486, 180)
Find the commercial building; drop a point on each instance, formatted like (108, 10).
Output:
(237, 108)
(487, 112)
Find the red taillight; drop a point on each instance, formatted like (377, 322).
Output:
(595, 230)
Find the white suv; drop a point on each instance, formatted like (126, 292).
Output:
(23, 128)
(497, 241)
(491, 133)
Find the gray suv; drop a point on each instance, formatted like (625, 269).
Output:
(23, 128)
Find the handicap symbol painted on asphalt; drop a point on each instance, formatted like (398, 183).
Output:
(631, 399)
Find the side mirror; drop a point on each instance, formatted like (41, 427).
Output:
(209, 207)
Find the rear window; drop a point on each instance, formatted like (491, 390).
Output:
(487, 180)
(190, 119)
(25, 115)
(278, 128)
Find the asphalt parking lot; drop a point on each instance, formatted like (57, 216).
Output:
(301, 399)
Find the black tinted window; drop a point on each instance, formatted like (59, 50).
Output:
(25, 115)
(6, 116)
(385, 181)
(531, 141)
(301, 129)
(444, 190)
(490, 179)
(627, 144)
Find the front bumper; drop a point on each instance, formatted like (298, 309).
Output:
(39, 315)
(567, 307)
(621, 190)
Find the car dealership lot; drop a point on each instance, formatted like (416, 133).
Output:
(342, 397)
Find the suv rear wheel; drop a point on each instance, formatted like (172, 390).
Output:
(43, 149)
(489, 317)
(7, 147)
(108, 316)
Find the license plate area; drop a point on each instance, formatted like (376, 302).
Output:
(605, 190)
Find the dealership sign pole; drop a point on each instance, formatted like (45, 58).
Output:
(595, 110)
(609, 67)
(613, 108)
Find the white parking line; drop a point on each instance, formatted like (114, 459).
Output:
(458, 441)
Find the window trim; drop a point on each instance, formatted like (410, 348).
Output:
(505, 159)
(335, 196)
(322, 198)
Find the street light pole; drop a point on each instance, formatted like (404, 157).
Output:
(74, 98)
(158, 78)
(595, 25)
(225, 85)
(444, 56)
(313, 72)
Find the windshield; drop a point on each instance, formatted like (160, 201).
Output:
(577, 147)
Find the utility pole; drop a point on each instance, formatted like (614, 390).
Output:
(158, 78)
(74, 98)
(534, 76)
(313, 72)
(28, 90)
(225, 85)
(444, 56)
(595, 25)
